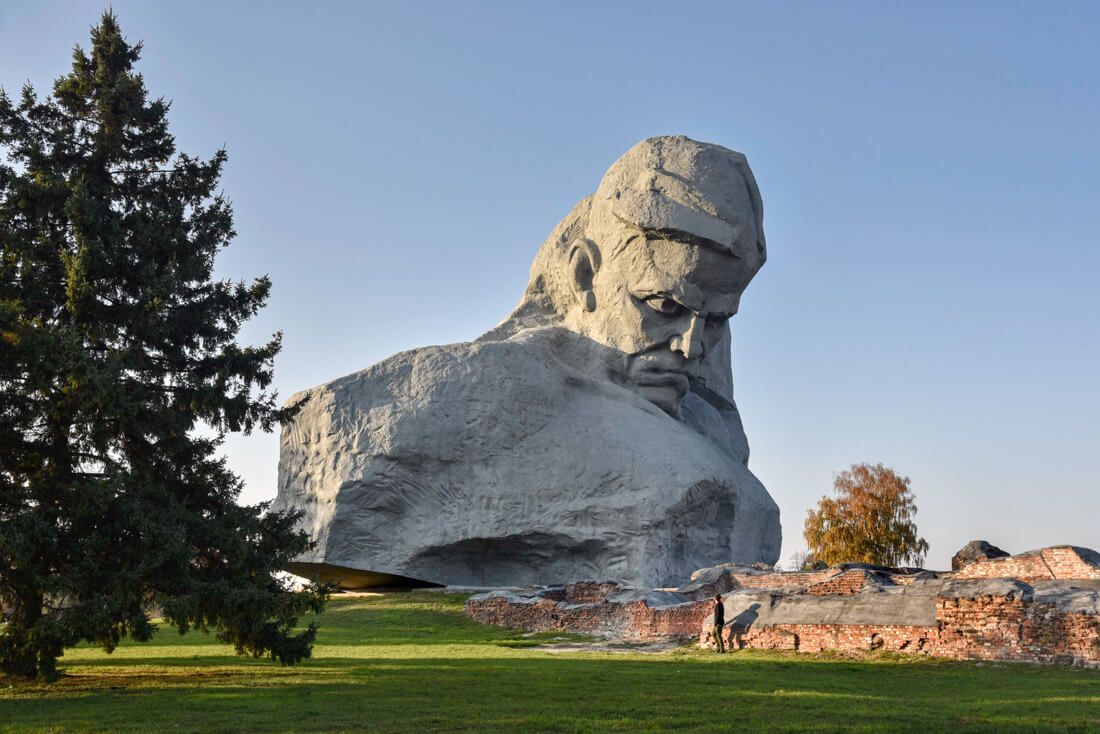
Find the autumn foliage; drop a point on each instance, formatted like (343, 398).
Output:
(870, 520)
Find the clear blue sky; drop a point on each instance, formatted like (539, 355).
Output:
(931, 182)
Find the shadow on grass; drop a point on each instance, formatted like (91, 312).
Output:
(573, 693)
(382, 664)
(411, 618)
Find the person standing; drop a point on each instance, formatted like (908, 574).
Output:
(719, 622)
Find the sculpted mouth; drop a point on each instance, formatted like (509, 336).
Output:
(662, 377)
(657, 377)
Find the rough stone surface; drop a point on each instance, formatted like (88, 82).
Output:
(975, 550)
(593, 433)
(716, 580)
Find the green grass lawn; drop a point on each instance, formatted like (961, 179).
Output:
(413, 662)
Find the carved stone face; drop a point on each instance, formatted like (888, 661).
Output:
(652, 266)
(664, 303)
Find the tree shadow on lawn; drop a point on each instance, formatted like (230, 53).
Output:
(574, 693)
(408, 619)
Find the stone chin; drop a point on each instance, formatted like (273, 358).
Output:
(666, 390)
(667, 398)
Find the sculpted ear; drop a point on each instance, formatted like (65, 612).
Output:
(584, 263)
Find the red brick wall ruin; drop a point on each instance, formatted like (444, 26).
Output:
(987, 627)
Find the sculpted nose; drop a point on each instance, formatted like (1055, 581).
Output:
(689, 342)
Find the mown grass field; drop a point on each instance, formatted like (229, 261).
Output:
(413, 662)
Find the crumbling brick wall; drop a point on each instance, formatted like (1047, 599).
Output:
(1000, 628)
(589, 592)
(987, 627)
(847, 583)
(1058, 562)
(779, 579)
(634, 620)
(1024, 568)
(818, 637)
(1065, 562)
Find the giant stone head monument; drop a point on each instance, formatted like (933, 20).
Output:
(592, 434)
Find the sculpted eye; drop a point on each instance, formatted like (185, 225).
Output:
(665, 306)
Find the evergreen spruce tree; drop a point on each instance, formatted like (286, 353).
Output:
(117, 348)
